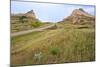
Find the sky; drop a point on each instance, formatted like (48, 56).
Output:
(49, 12)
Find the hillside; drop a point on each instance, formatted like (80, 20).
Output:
(70, 41)
(79, 16)
(25, 21)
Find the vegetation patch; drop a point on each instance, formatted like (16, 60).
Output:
(36, 24)
(54, 50)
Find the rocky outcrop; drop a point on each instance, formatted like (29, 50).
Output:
(20, 22)
(30, 14)
(79, 16)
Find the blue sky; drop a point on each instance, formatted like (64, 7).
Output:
(48, 12)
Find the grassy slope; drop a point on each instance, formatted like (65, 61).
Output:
(65, 44)
(19, 26)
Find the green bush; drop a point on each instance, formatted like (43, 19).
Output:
(22, 19)
(54, 50)
(36, 24)
(81, 9)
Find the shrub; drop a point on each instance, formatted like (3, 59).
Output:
(36, 24)
(54, 50)
(22, 19)
(81, 9)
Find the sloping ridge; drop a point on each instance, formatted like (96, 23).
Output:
(80, 11)
(27, 14)
(23, 21)
(79, 16)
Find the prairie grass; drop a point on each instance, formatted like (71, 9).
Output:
(67, 43)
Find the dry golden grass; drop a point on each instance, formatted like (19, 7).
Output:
(65, 44)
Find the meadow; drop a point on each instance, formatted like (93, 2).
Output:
(67, 43)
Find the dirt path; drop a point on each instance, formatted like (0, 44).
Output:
(29, 31)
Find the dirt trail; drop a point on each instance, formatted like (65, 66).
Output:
(29, 31)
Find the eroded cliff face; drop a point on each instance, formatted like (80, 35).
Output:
(79, 16)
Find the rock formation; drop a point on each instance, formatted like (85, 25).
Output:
(20, 22)
(79, 16)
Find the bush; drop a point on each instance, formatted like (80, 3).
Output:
(54, 50)
(22, 19)
(81, 9)
(36, 24)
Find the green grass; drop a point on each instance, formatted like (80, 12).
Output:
(54, 50)
(68, 43)
(36, 24)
